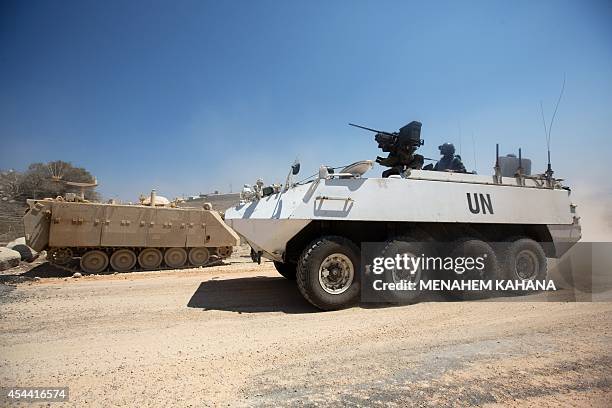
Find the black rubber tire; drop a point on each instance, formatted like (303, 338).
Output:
(287, 270)
(470, 247)
(508, 257)
(308, 273)
(402, 245)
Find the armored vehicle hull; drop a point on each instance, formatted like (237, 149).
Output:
(306, 225)
(126, 237)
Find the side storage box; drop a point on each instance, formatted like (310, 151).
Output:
(75, 224)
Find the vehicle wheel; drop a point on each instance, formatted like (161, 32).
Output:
(224, 251)
(288, 270)
(198, 256)
(412, 248)
(123, 260)
(94, 261)
(175, 257)
(523, 259)
(150, 258)
(485, 269)
(328, 273)
(59, 256)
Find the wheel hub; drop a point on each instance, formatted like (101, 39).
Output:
(527, 267)
(93, 261)
(150, 257)
(336, 274)
(408, 275)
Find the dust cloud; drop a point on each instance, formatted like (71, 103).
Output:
(595, 211)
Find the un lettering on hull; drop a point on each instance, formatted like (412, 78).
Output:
(479, 203)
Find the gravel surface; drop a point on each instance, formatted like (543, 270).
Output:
(240, 335)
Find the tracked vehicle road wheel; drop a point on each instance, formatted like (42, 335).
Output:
(288, 270)
(150, 258)
(198, 256)
(523, 259)
(328, 273)
(175, 257)
(59, 256)
(123, 260)
(94, 261)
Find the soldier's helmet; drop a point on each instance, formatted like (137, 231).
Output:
(447, 149)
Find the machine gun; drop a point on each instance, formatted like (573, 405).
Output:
(407, 137)
(401, 147)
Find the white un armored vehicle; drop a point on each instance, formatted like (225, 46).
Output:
(315, 229)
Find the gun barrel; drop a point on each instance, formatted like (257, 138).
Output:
(371, 130)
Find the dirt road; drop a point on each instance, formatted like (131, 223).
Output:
(241, 335)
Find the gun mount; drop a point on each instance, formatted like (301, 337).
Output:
(408, 136)
(401, 147)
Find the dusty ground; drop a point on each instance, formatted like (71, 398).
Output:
(239, 334)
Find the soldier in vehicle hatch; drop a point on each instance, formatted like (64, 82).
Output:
(449, 160)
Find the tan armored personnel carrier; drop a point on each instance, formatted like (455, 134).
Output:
(126, 237)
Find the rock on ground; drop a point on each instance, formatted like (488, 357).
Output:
(19, 245)
(8, 258)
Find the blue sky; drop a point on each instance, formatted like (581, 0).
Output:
(193, 96)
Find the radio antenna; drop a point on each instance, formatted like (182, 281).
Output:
(547, 131)
(474, 151)
(459, 126)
